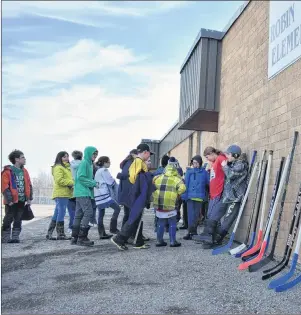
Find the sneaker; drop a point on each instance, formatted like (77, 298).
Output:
(161, 244)
(146, 239)
(175, 244)
(183, 227)
(118, 244)
(143, 246)
(188, 237)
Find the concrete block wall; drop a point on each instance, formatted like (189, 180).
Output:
(257, 113)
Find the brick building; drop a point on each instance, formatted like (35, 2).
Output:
(231, 95)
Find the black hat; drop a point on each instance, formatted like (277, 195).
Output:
(144, 147)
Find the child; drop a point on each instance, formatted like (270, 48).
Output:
(196, 180)
(169, 186)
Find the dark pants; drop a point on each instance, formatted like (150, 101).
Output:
(83, 212)
(185, 215)
(193, 208)
(126, 214)
(13, 215)
(101, 212)
(71, 210)
(179, 210)
(231, 212)
(93, 219)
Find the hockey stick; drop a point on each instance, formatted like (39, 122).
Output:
(256, 247)
(257, 210)
(138, 229)
(242, 246)
(283, 183)
(226, 247)
(281, 280)
(270, 257)
(288, 285)
(289, 245)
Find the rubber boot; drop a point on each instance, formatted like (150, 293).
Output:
(15, 236)
(74, 235)
(113, 226)
(83, 237)
(172, 235)
(51, 228)
(5, 237)
(60, 231)
(160, 233)
(102, 233)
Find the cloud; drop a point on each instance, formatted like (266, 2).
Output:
(88, 12)
(83, 114)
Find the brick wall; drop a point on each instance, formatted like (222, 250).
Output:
(254, 112)
(208, 139)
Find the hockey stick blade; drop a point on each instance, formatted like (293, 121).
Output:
(281, 280)
(251, 256)
(248, 247)
(225, 248)
(248, 263)
(288, 285)
(238, 249)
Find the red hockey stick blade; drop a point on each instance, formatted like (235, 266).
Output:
(248, 263)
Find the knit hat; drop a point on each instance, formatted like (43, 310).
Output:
(199, 159)
(235, 150)
(174, 162)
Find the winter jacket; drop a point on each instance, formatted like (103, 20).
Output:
(63, 181)
(9, 187)
(136, 167)
(236, 174)
(169, 186)
(84, 182)
(106, 192)
(196, 181)
(74, 166)
(125, 185)
(161, 169)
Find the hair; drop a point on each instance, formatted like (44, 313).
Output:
(164, 160)
(102, 160)
(210, 150)
(191, 162)
(16, 154)
(59, 156)
(77, 155)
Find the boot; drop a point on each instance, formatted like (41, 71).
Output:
(15, 236)
(208, 235)
(219, 237)
(192, 233)
(60, 231)
(74, 235)
(51, 228)
(102, 233)
(113, 226)
(83, 237)
(6, 236)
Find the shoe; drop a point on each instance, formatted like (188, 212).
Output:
(15, 236)
(183, 227)
(102, 233)
(105, 236)
(51, 228)
(175, 244)
(13, 241)
(161, 244)
(73, 241)
(91, 224)
(116, 242)
(113, 227)
(83, 239)
(145, 239)
(188, 237)
(143, 246)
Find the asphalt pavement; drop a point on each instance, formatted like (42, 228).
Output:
(54, 277)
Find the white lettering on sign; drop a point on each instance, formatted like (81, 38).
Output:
(284, 35)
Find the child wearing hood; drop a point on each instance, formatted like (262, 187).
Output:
(83, 192)
(196, 181)
(235, 169)
(169, 185)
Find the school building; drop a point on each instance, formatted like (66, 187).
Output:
(243, 86)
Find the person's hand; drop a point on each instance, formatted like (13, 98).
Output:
(224, 163)
(97, 185)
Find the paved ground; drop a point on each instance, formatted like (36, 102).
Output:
(53, 277)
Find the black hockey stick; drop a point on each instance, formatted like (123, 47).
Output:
(289, 243)
(270, 257)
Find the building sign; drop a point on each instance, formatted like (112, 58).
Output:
(284, 35)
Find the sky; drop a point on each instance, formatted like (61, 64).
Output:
(101, 73)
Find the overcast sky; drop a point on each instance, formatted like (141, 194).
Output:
(95, 73)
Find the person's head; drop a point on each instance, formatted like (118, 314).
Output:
(233, 153)
(134, 153)
(197, 161)
(103, 161)
(144, 151)
(90, 154)
(77, 155)
(17, 158)
(61, 158)
(211, 154)
(149, 163)
(173, 162)
(164, 160)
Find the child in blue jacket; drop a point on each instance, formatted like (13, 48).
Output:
(196, 181)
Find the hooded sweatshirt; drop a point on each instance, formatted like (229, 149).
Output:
(236, 174)
(63, 181)
(84, 182)
(74, 166)
(169, 186)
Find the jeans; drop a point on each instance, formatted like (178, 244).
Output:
(193, 211)
(216, 209)
(162, 222)
(13, 215)
(101, 212)
(71, 210)
(61, 204)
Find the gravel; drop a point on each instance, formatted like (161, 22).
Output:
(53, 277)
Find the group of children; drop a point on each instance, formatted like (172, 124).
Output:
(84, 185)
